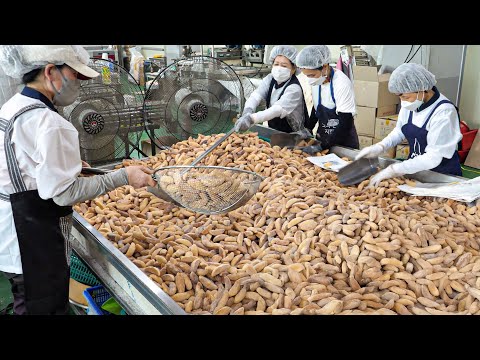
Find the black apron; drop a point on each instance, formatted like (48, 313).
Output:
(328, 120)
(43, 229)
(417, 140)
(278, 123)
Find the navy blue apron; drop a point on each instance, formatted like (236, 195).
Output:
(278, 123)
(417, 140)
(43, 229)
(328, 121)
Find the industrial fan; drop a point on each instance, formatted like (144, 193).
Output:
(107, 114)
(196, 95)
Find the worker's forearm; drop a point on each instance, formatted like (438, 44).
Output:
(268, 114)
(422, 162)
(87, 188)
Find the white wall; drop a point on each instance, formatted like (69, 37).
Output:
(470, 91)
(395, 55)
(445, 63)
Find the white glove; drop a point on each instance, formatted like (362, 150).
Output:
(370, 151)
(244, 123)
(387, 173)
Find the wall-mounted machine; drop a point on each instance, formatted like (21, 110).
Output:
(255, 54)
(229, 52)
(174, 53)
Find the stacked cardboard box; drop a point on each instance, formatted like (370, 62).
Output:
(402, 151)
(374, 102)
(383, 126)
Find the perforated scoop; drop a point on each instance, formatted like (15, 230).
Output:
(207, 189)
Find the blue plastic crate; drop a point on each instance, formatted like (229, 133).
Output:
(96, 296)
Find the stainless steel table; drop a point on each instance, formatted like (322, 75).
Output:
(134, 290)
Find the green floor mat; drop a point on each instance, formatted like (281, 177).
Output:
(6, 297)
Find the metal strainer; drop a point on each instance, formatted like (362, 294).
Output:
(207, 189)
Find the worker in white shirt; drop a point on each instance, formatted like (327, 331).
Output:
(333, 98)
(39, 167)
(283, 94)
(427, 120)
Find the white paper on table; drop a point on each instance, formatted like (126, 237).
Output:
(464, 191)
(328, 162)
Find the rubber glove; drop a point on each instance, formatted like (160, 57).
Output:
(244, 123)
(247, 111)
(304, 133)
(387, 173)
(370, 151)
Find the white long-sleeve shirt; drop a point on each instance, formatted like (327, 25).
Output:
(289, 106)
(47, 151)
(342, 90)
(442, 138)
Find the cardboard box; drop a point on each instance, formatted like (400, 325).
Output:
(390, 153)
(371, 89)
(365, 141)
(384, 125)
(365, 118)
(402, 151)
(473, 157)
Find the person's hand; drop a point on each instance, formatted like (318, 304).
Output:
(387, 173)
(244, 123)
(140, 176)
(85, 164)
(370, 151)
(303, 133)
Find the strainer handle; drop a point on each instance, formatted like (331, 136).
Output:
(201, 157)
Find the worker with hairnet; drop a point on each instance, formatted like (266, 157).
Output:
(330, 97)
(39, 174)
(427, 120)
(283, 94)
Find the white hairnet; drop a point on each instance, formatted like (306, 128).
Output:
(17, 60)
(313, 57)
(8, 87)
(409, 77)
(286, 50)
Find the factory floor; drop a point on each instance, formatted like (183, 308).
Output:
(6, 298)
(6, 295)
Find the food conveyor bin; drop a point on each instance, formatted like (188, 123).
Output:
(133, 289)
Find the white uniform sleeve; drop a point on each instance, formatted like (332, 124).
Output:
(257, 95)
(444, 132)
(58, 149)
(344, 96)
(88, 188)
(442, 138)
(283, 106)
(427, 161)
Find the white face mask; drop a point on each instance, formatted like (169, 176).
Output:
(281, 74)
(412, 106)
(316, 81)
(68, 93)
